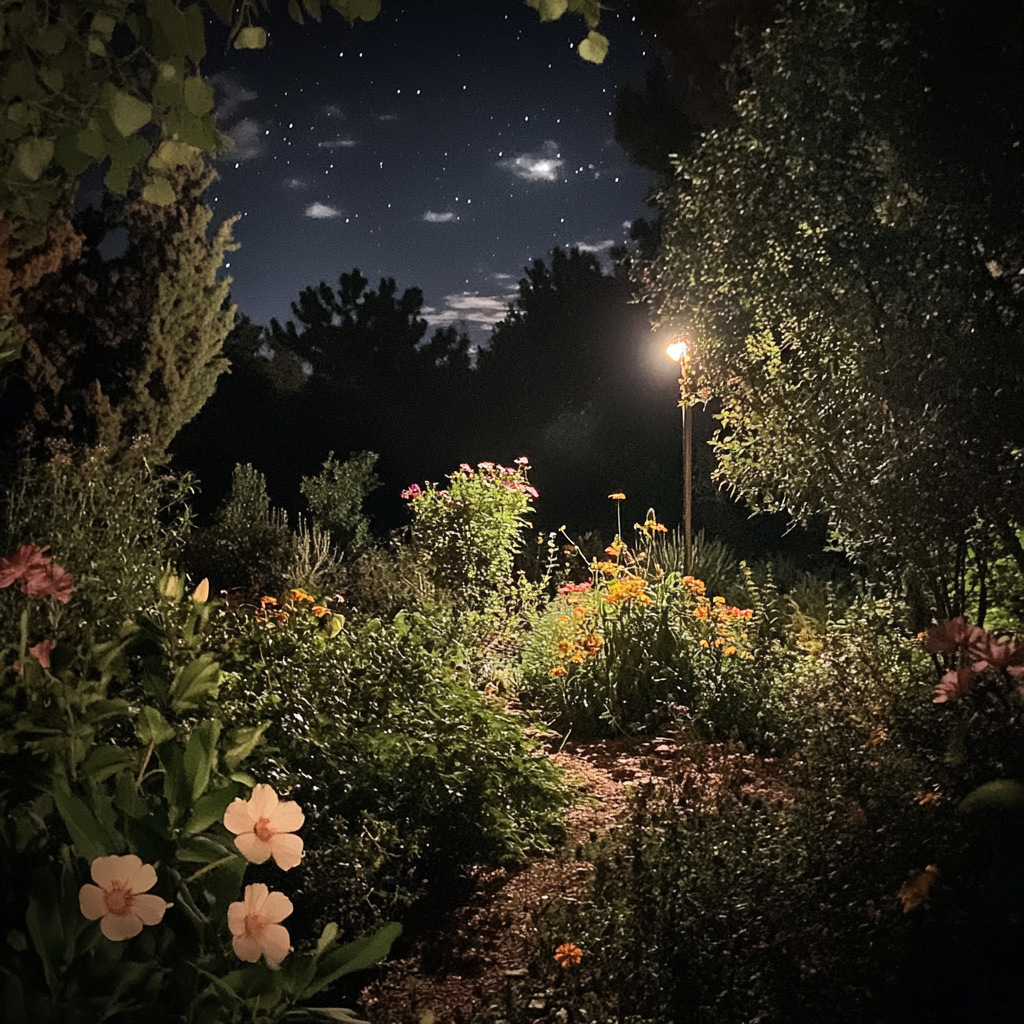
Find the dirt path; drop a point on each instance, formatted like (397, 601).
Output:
(473, 956)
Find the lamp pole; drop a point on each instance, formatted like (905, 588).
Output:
(678, 352)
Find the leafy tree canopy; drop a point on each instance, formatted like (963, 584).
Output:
(118, 81)
(847, 256)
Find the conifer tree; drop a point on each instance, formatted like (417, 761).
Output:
(124, 352)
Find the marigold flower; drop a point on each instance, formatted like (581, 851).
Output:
(268, 601)
(558, 671)
(701, 611)
(917, 888)
(264, 825)
(728, 650)
(301, 595)
(320, 611)
(568, 954)
(256, 929)
(119, 900)
(693, 584)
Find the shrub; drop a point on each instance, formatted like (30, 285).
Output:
(336, 498)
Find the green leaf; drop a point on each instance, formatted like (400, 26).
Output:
(127, 112)
(327, 937)
(43, 921)
(152, 727)
(354, 956)
(295, 12)
(201, 756)
(159, 192)
(195, 34)
(242, 742)
(90, 838)
(69, 155)
(549, 10)
(127, 798)
(176, 786)
(1005, 796)
(104, 761)
(33, 156)
(198, 96)
(20, 82)
(594, 48)
(195, 683)
(102, 709)
(313, 8)
(210, 807)
(223, 884)
(202, 850)
(223, 9)
(252, 37)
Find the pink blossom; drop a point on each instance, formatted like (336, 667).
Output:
(412, 491)
(256, 928)
(531, 491)
(41, 652)
(953, 685)
(119, 900)
(263, 827)
(949, 636)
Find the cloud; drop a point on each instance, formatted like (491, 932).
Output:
(248, 137)
(337, 143)
(439, 218)
(602, 246)
(293, 183)
(471, 308)
(387, 117)
(229, 95)
(321, 211)
(543, 166)
(332, 110)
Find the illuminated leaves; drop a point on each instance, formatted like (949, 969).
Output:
(252, 37)
(32, 157)
(594, 48)
(128, 113)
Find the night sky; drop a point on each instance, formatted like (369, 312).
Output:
(445, 145)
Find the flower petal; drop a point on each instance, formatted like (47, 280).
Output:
(263, 801)
(141, 878)
(238, 818)
(246, 948)
(236, 918)
(91, 902)
(287, 817)
(118, 927)
(255, 896)
(252, 848)
(106, 870)
(286, 849)
(276, 943)
(276, 907)
(149, 909)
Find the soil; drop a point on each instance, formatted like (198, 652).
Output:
(467, 961)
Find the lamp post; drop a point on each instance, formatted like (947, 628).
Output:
(678, 352)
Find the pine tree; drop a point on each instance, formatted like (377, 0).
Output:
(122, 353)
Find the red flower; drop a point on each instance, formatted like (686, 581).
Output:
(953, 685)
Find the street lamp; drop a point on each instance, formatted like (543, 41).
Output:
(679, 353)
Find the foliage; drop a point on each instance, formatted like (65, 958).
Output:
(116, 526)
(115, 754)
(406, 770)
(336, 498)
(126, 351)
(249, 543)
(119, 80)
(850, 282)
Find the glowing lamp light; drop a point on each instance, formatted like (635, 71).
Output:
(677, 351)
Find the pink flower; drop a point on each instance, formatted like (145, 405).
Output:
(41, 652)
(1009, 655)
(119, 900)
(953, 685)
(522, 461)
(527, 489)
(949, 636)
(263, 827)
(256, 928)
(36, 573)
(412, 491)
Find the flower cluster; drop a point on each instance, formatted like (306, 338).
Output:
(272, 613)
(568, 955)
(36, 574)
(975, 645)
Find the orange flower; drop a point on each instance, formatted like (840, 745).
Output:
(301, 595)
(694, 585)
(558, 671)
(728, 650)
(264, 827)
(924, 799)
(701, 611)
(256, 928)
(917, 888)
(568, 954)
(119, 900)
(320, 611)
(617, 496)
(268, 600)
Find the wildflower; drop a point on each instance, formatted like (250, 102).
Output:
(41, 652)
(694, 585)
(726, 651)
(320, 611)
(628, 588)
(485, 465)
(609, 568)
(202, 592)
(563, 620)
(615, 548)
(528, 490)
(264, 601)
(701, 611)
(119, 900)
(264, 827)
(558, 671)
(617, 496)
(917, 888)
(522, 461)
(256, 929)
(301, 595)
(953, 685)
(412, 491)
(575, 588)
(568, 954)
(281, 616)
(466, 468)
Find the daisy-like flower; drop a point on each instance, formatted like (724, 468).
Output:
(264, 825)
(119, 900)
(256, 929)
(568, 954)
